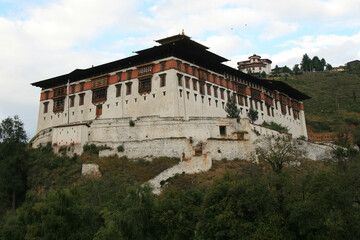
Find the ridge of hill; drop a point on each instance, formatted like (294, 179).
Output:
(335, 99)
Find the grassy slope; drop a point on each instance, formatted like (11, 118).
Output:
(335, 99)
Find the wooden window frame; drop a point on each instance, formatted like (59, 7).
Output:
(118, 90)
(162, 80)
(144, 85)
(81, 99)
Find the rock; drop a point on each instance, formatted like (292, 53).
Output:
(90, 170)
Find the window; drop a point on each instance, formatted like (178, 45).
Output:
(240, 100)
(222, 130)
(214, 78)
(283, 109)
(118, 90)
(99, 82)
(202, 87)
(194, 71)
(129, 74)
(81, 99)
(255, 94)
(187, 68)
(178, 65)
(60, 92)
(59, 104)
(203, 75)
(72, 89)
(72, 101)
(144, 85)
(222, 93)
(46, 105)
(163, 80)
(46, 95)
(82, 86)
(208, 89)
(162, 66)
(119, 76)
(187, 82)
(128, 88)
(194, 84)
(99, 95)
(145, 70)
(215, 91)
(179, 79)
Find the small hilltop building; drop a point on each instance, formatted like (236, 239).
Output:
(255, 64)
(166, 100)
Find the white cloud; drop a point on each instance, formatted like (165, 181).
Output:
(226, 45)
(52, 39)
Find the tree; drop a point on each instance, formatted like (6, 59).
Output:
(276, 69)
(316, 64)
(306, 63)
(323, 64)
(231, 109)
(12, 130)
(279, 151)
(253, 115)
(296, 69)
(286, 69)
(12, 157)
(263, 74)
(328, 67)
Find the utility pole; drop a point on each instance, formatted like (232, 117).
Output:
(68, 100)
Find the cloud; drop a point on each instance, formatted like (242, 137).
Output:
(336, 49)
(226, 45)
(50, 38)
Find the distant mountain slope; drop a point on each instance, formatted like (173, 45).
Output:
(335, 99)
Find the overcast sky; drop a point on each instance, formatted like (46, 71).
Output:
(41, 39)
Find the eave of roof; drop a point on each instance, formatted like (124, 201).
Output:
(183, 48)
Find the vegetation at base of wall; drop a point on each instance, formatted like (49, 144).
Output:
(131, 123)
(253, 115)
(275, 126)
(310, 200)
(232, 110)
(120, 148)
(94, 149)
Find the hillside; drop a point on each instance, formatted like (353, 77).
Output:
(236, 199)
(335, 99)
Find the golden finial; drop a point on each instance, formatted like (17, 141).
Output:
(182, 33)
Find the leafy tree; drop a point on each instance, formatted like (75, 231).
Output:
(328, 67)
(323, 63)
(286, 69)
(12, 130)
(317, 64)
(306, 63)
(253, 115)
(263, 74)
(12, 160)
(296, 69)
(279, 151)
(231, 109)
(276, 69)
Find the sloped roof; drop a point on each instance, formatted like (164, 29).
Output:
(180, 46)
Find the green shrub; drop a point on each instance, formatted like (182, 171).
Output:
(132, 123)
(275, 126)
(120, 148)
(91, 148)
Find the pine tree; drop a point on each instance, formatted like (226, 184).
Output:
(253, 115)
(232, 110)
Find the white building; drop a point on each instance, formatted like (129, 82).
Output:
(255, 65)
(178, 81)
